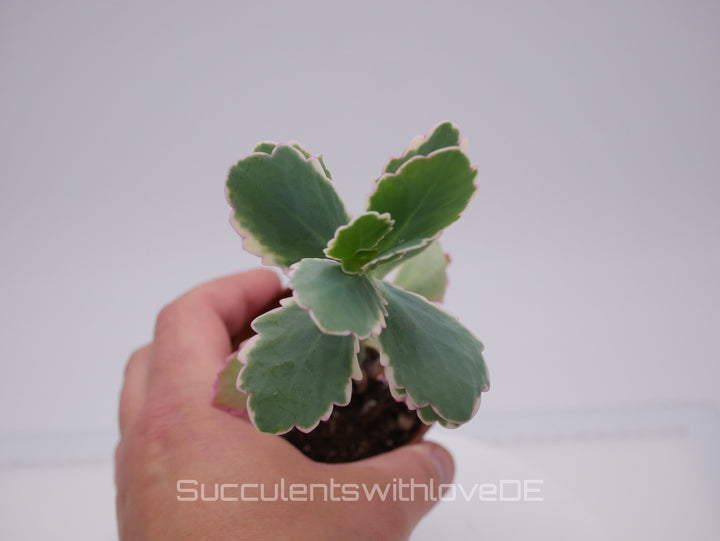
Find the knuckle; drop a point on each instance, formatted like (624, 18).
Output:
(136, 358)
(168, 314)
(178, 313)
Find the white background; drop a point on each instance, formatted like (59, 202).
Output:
(587, 262)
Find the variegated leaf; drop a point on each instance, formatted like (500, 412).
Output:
(427, 353)
(294, 373)
(443, 135)
(426, 195)
(284, 205)
(339, 303)
(355, 244)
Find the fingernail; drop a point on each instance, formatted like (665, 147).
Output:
(443, 462)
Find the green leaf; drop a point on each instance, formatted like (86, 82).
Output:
(355, 244)
(339, 303)
(390, 259)
(381, 268)
(294, 373)
(284, 205)
(227, 396)
(426, 195)
(430, 355)
(425, 273)
(444, 135)
(428, 416)
(268, 146)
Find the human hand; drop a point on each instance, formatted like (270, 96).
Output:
(171, 433)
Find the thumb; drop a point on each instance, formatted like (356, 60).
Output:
(414, 473)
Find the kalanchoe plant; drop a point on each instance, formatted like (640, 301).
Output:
(302, 360)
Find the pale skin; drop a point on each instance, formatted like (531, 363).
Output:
(170, 432)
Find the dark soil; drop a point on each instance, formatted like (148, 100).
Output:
(372, 423)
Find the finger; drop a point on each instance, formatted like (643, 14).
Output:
(133, 392)
(423, 467)
(247, 331)
(193, 334)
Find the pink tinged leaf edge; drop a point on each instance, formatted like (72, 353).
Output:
(315, 162)
(444, 422)
(418, 140)
(314, 159)
(231, 411)
(409, 402)
(375, 331)
(216, 384)
(401, 394)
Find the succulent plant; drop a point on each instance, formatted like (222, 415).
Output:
(302, 360)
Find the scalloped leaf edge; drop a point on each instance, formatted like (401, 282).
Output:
(388, 254)
(417, 141)
(332, 243)
(376, 329)
(249, 242)
(258, 148)
(242, 357)
(401, 394)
